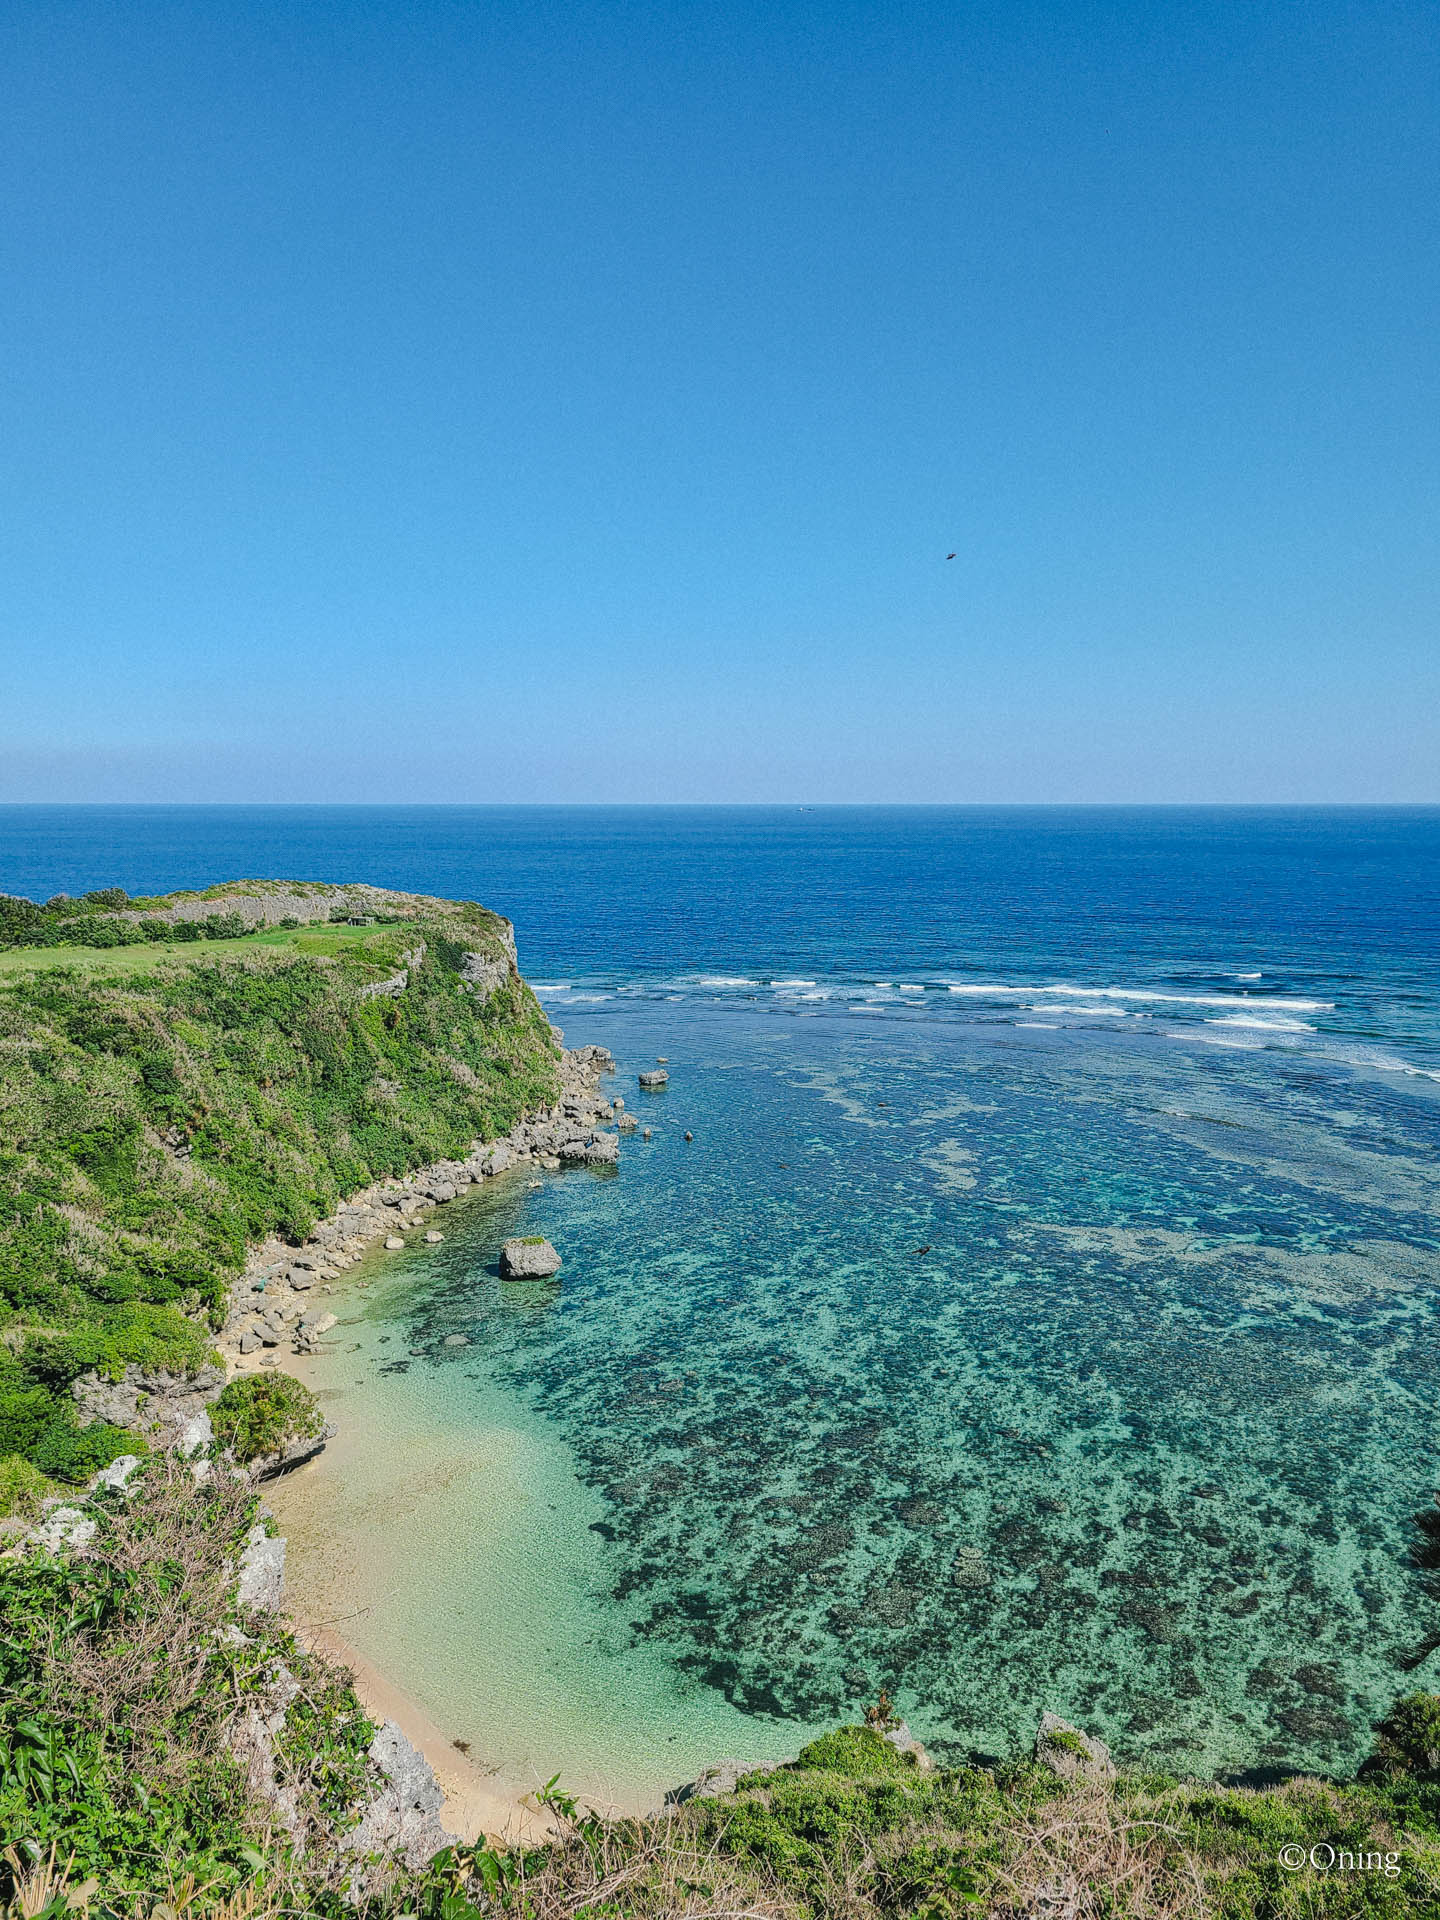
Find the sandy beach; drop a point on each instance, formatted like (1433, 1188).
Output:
(476, 1803)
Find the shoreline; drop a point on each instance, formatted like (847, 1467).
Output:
(476, 1805)
(274, 1300)
(476, 1801)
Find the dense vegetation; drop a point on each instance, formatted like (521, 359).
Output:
(258, 1413)
(163, 1752)
(153, 1123)
(100, 919)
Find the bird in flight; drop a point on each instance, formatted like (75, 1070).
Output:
(949, 556)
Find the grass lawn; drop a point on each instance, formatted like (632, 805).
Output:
(323, 938)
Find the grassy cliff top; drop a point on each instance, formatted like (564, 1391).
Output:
(108, 918)
(167, 1099)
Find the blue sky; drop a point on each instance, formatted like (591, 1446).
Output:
(496, 401)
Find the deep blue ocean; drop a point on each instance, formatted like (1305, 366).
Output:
(1045, 1310)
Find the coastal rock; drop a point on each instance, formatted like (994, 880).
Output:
(117, 1473)
(603, 1151)
(393, 1243)
(252, 1738)
(1067, 1751)
(497, 1159)
(592, 1060)
(195, 1434)
(262, 1571)
(720, 1779)
(293, 1454)
(900, 1737)
(390, 988)
(62, 1529)
(532, 1259)
(655, 1077)
(484, 977)
(402, 1818)
(433, 1239)
(141, 1395)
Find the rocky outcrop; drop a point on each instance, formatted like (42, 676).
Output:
(720, 1779)
(904, 1742)
(261, 1580)
(1066, 1751)
(140, 1398)
(656, 1078)
(402, 1819)
(294, 1453)
(528, 1260)
(392, 987)
(484, 977)
(62, 1529)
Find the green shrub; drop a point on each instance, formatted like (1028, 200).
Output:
(853, 1750)
(22, 1488)
(1408, 1739)
(261, 1413)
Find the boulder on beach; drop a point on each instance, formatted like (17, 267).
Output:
(530, 1259)
(656, 1077)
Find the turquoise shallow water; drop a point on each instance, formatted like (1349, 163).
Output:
(1043, 1314)
(1137, 1436)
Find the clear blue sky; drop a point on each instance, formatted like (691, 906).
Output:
(527, 401)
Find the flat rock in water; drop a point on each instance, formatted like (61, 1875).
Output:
(393, 1242)
(656, 1077)
(528, 1260)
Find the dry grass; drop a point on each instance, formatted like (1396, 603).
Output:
(656, 1869)
(174, 1552)
(1088, 1856)
(34, 1887)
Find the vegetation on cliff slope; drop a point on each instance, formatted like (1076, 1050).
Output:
(134, 1784)
(152, 1122)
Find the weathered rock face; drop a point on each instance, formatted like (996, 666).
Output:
(137, 1397)
(1069, 1752)
(656, 1077)
(528, 1260)
(484, 977)
(261, 1583)
(719, 1779)
(63, 1529)
(402, 1820)
(294, 1453)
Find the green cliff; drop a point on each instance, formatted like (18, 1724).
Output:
(164, 1101)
